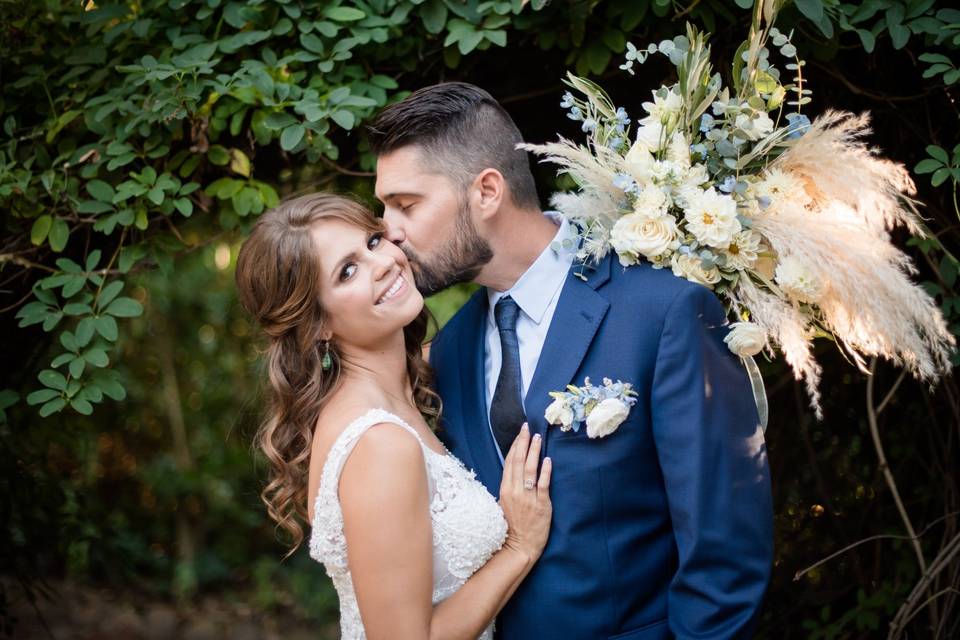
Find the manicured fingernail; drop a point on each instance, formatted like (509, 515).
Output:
(548, 460)
(525, 427)
(536, 436)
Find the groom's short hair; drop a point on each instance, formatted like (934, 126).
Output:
(462, 130)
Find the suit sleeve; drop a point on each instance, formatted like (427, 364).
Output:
(714, 463)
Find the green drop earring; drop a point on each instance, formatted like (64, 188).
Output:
(326, 362)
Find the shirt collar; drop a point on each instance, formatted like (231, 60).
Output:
(540, 282)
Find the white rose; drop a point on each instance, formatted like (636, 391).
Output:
(640, 160)
(636, 235)
(559, 412)
(797, 281)
(746, 339)
(691, 268)
(606, 417)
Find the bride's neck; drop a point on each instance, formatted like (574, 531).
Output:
(381, 367)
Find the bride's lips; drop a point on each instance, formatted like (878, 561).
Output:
(397, 287)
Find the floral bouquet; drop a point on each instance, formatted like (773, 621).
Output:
(787, 221)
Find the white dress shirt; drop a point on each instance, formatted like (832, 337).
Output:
(536, 293)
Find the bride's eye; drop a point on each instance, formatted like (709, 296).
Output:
(374, 240)
(347, 271)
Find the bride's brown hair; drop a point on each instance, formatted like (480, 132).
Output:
(278, 276)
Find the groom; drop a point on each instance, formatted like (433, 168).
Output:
(661, 529)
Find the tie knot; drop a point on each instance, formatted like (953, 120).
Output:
(506, 313)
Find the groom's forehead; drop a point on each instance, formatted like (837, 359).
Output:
(400, 172)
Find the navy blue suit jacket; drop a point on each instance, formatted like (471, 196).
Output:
(663, 528)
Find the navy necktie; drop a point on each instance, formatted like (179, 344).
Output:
(506, 409)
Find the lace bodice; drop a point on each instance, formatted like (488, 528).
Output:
(468, 524)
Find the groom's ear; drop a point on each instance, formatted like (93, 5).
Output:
(489, 191)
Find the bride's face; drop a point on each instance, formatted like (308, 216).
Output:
(367, 288)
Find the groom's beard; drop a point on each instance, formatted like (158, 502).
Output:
(460, 259)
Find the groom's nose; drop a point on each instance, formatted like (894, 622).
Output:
(394, 232)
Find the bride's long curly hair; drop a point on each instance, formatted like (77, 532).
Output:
(278, 276)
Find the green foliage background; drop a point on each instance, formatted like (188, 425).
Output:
(140, 140)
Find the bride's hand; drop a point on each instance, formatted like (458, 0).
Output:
(525, 497)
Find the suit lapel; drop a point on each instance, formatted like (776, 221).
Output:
(578, 315)
(473, 396)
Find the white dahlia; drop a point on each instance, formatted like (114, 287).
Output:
(798, 281)
(712, 218)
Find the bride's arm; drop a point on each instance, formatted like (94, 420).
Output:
(384, 496)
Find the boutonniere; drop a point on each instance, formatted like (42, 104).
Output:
(603, 408)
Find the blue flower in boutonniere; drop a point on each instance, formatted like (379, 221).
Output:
(603, 408)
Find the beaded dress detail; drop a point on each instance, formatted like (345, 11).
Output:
(468, 524)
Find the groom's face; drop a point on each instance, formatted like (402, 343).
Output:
(427, 214)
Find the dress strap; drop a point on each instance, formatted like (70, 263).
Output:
(347, 440)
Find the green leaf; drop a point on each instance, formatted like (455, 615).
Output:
(344, 14)
(155, 195)
(61, 360)
(40, 229)
(52, 407)
(312, 43)
(469, 41)
(81, 406)
(76, 309)
(218, 155)
(77, 365)
(899, 35)
(73, 285)
(106, 326)
(811, 9)
(279, 120)
(867, 39)
(85, 331)
(940, 176)
(59, 234)
(434, 15)
(68, 341)
(291, 137)
(109, 292)
(497, 37)
(345, 119)
(939, 153)
(124, 307)
(928, 165)
(184, 206)
(112, 389)
(41, 395)
(52, 379)
(97, 357)
(92, 260)
(100, 190)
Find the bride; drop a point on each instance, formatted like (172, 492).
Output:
(415, 545)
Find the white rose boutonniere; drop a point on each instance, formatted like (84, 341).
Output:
(603, 408)
(606, 417)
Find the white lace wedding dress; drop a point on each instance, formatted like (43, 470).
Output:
(468, 524)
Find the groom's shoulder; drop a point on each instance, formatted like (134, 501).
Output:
(644, 286)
